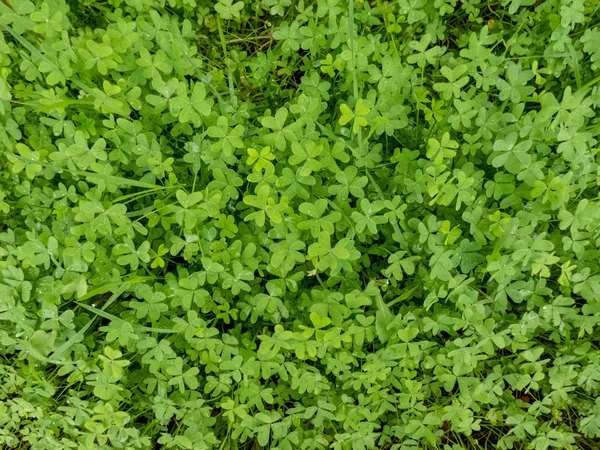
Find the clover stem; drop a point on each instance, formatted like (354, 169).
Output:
(352, 51)
(227, 60)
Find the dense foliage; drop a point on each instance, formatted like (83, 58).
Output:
(299, 224)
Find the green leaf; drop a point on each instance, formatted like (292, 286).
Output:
(42, 343)
(318, 321)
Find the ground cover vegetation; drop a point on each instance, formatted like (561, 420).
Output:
(299, 224)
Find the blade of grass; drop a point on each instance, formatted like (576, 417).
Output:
(115, 179)
(141, 194)
(353, 51)
(112, 317)
(108, 287)
(591, 83)
(25, 43)
(575, 65)
(406, 295)
(78, 337)
(226, 55)
(101, 176)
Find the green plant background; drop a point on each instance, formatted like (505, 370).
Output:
(297, 224)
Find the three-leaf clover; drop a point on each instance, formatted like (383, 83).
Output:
(99, 56)
(260, 161)
(227, 139)
(265, 205)
(129, 254)
(358, 116)
(443, 149)
(510, 154)
(306, 152)
(154, 65)
(281, 133)
(368, 218)
(227, 9)
(456, 81)
(349, 184)
(286, 254)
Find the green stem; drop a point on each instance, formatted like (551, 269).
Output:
(380, 193)
(226, 55)
(352, 50)
(591, 83)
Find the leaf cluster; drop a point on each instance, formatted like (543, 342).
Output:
(308, 224)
